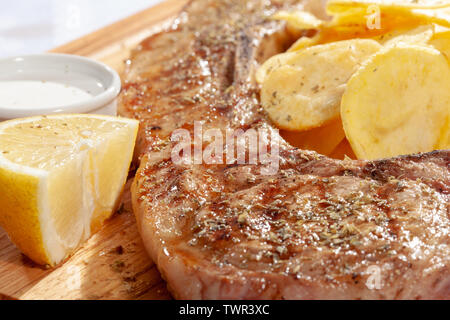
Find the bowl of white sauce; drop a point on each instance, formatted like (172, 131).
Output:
(45, 84)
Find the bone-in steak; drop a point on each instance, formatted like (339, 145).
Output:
(317, 229)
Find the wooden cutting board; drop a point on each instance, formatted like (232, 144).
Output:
(113, 263)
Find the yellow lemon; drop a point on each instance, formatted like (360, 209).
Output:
(60, 177)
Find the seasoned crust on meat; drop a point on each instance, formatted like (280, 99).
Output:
(318, 229)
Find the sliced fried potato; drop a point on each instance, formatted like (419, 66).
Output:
(420, 35)
(398, 103)
(393, 15)
(322, 140)
(299, 19)
(439, 16)
(441, 40)
(338, 6)
(439, 30)
(305, 91)
(272, 64)
(388, 20)
(445, 137)
(356, 26)
(351, 23)
(390, 16)
(333, 34)
(304, 42)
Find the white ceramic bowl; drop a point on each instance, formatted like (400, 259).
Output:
(102, 82)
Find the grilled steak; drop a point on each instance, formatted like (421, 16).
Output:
(318, 228)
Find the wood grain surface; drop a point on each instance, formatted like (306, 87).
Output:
(113, 263)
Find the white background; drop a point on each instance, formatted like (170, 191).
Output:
(34, 26)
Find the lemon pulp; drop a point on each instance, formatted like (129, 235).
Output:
(60, 178)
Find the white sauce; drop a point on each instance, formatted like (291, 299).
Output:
(39, 94)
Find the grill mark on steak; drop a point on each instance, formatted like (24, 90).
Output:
(313, 230)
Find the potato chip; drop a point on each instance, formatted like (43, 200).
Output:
(439, 16)
(304, 42)
(419, 35)
(354, 22)
(398, 103)
(359, 25)
(272, 64)
(438, 30)
(301, 20)
(333, 34)
(389, 16)
(305, 91)
(441, 41)
(338, 6)
(355, 31)
(323, 140)
(445, 137)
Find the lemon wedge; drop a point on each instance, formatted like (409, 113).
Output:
(60, 178)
